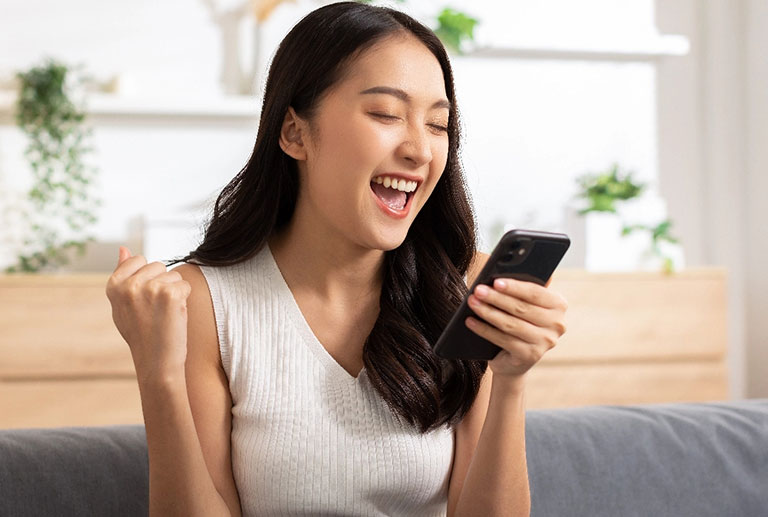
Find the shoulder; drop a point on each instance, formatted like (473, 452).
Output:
(200, 297)
(201, 321)
(477, 264)
(194, 275)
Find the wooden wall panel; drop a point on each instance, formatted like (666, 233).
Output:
(643, 315)
(53, 325)
(557, 385)
(69, 403)
(631, 338)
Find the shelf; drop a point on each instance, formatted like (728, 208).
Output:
(101, 105)
(244, 108)
(648, 49)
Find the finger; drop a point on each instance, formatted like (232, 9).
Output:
(512, 344)
(528, 291)
(127, 265)
(123, 253)
(511, 305)
(504, 321)
(169, 277)
(150, 271)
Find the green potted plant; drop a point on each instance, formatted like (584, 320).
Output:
(59, 205)
(603, 190)
(454, 28)
(607, 192)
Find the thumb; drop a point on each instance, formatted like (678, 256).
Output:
(123, 254)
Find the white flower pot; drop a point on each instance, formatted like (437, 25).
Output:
(598, 245)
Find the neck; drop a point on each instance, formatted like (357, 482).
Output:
(319, 262)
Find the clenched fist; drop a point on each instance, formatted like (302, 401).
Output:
(149, 308)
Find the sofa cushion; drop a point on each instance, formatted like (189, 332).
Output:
(74, 471)
(685, 459)
(677, 460)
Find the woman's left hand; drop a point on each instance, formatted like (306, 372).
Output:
(523, 318)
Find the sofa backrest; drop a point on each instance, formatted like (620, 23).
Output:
(74, 471)
(695, 459)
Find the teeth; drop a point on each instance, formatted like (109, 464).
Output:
(395, 183)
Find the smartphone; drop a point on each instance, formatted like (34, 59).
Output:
(527, 255)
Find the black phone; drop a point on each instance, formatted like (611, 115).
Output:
(528, 255)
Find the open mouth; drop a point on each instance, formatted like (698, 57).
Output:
(395, 193)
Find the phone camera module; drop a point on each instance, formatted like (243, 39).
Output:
(515, 255)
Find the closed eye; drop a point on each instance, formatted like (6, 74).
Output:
(392, 117)
(382, 115)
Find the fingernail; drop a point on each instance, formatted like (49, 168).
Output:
(481, 290)
(501, 284)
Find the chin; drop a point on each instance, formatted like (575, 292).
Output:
(391, 240)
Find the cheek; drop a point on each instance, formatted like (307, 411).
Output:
(437, 171)
(439, 160)
(333, 177)
(440, 156)
(356, 147)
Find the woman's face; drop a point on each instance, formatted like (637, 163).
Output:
(386, 120)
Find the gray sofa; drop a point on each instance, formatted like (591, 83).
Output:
(691, 459)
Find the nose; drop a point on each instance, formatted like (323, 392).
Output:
(415, 146)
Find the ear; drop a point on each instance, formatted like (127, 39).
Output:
(291, 135)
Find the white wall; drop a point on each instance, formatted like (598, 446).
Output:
(531, 126)
(713, 161)
(756, 161)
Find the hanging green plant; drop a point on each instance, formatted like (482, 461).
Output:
(60, 201)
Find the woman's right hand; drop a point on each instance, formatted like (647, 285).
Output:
(149, 308)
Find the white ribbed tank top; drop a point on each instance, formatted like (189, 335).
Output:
(307, 437)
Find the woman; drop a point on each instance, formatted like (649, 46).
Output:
(287, 367)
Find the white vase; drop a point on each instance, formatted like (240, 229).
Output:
(597, 243)
(235, 76)
(607, 249)
(574, 225)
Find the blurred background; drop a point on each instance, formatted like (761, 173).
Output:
(120, 122)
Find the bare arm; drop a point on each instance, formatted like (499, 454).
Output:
(490, 475)
(489, 472)
(497, 479)
(179, 481)
(184, 394)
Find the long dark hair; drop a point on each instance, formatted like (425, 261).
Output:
(423, 282)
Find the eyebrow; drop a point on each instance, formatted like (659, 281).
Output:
(402, 95)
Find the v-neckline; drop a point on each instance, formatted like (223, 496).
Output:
(308, 335)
